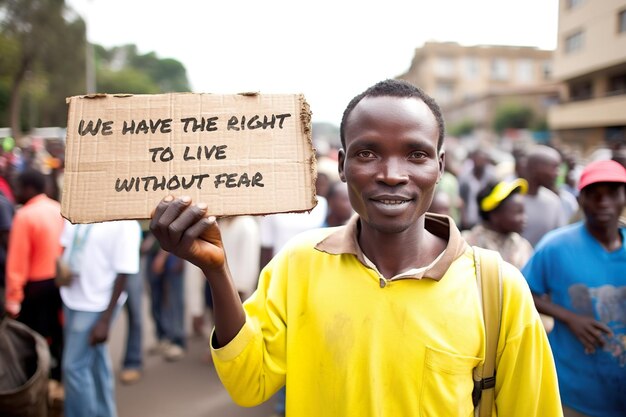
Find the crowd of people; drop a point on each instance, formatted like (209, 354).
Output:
(300, 307)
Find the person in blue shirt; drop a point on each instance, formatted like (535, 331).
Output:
(578, 276)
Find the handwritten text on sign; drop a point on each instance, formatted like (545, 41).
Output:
(154, 147)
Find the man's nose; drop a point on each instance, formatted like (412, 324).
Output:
(393, 172)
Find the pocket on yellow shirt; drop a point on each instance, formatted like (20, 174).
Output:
(447, 384)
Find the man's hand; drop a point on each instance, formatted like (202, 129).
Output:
(185, 230)
(99, 332)
(13, 309)
(589, 331)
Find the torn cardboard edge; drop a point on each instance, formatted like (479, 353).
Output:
(95, 157)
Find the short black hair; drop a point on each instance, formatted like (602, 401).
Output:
(394, 88)
(33, 179)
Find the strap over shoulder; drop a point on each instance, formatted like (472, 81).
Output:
(489, 283)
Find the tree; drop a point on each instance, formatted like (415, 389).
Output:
(122, 69)
(44, 32)
(42, 61)
(512, 116)
(462, 128)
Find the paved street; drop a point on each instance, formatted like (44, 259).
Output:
(188, 388)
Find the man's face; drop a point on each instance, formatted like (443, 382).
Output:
(603, 203)
(390, 161)
(510, 216)
(548, 171)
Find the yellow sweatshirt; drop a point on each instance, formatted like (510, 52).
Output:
(348, 342)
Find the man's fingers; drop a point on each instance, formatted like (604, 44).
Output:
(166, 212)
(603, 328)
(159, 210)
(211, 232)
(186, 223)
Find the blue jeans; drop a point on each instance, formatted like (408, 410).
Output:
(87, 372)
(133, 356)
(168, 306)
(281, 397)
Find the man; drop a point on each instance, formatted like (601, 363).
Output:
(31, 294)
(471, 183)
(101, 256)
(582, 268)
(378, 317)
(543, 207)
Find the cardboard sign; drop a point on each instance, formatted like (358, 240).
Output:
(240, 154)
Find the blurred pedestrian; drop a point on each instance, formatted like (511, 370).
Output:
(481, 172)
(441, 203)
(31, 293)
(101, 256)
(544, 209)
(581, 269)
(132, 364)
(339, 208)
(241, 237)
(501, 208)
(167, 303)
(378, 317)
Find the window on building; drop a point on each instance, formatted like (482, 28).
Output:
(524, 71)
(472, 69)
(444, 93)
(617, 85)
(444, 66)
(621, 22)
(499, 69)
(573, 3)
(547, 69)
(574, 42)
(580, 91)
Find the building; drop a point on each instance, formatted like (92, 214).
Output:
(470, 82)
(591, 61)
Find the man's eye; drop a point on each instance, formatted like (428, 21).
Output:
(365, 154)
(418, 155)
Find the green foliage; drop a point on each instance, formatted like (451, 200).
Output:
(126, 80)
(43, 57)
(512, 116)
(123, 69)
(44, 43)
(539, 124)
(462, 128)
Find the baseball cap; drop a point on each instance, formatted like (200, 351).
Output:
(602, 171)
(501, 191)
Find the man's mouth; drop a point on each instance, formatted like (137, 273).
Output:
(392, 202)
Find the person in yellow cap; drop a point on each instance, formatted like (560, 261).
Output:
(501, 208)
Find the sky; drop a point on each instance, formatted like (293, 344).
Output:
(328, 50)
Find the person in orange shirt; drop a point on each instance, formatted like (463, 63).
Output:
(34, 245)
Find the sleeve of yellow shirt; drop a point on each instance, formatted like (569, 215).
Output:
(18, 257)
(526, 380)
(252, 366)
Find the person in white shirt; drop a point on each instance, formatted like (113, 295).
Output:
(100, 256)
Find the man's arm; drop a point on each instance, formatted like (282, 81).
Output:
(187, 231)
(17, 266)
(587, 330)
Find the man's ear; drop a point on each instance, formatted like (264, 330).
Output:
(341, 159)
(442, 164)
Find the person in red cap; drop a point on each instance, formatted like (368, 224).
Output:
(582, 269)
